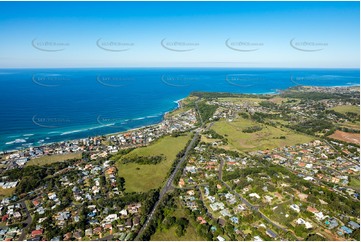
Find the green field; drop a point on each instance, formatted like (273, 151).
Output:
(267, 138)
(355, 125)
(6, 192)
(241, 99)
(140, 178)
(355, 183)
(46, 160)
(347, 108)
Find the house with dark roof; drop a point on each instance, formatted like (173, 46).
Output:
(331, 223)
(353, 225)
(271, 234)
(128, 223)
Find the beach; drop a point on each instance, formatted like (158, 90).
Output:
(81, 108)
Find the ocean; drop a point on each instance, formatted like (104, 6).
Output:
(40, 106)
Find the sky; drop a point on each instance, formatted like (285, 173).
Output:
(180, 34)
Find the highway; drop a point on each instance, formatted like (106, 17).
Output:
(168, 185)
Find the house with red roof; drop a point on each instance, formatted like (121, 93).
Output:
(5, 218)
(37, 232)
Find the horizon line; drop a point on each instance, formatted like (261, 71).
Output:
(177, 67)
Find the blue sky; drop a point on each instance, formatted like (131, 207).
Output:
(130, 34)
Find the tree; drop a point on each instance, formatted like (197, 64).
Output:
(356, 234)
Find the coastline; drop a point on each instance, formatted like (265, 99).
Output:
(179, 101)
(147, 126)
(106, 135)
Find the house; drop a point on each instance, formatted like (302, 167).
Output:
(108, 227)
(35, 202)
(190, 169)
(68, 236)
(57, 238)
(89, 233)
(5, 218)
(77, 235)
(190, 192)
(319, 216)
(40, 210)
(308, 225)
(268, 198)
(133, 208)
(136, 221)
(201, 220)
(123, 212)
(239, 208)
(128, 223)
(346, 230)
(217, 206)
(234, 220)
(52, 196)
(225, 213)
(271, 234)
(17, 215)
(211, 199)
(312, 210)
(257, 238)
(220, 238)
(111, 217)
(295, 207)
(35, 233)
(309, 178)
(353, 225)
(97, 230)
(254, 195)
(92, 214)
(221, 222)
(181, 183)
(331, 223)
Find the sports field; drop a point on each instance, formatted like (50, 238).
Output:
(46, 160)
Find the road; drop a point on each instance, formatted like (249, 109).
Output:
(348, 159)
(245, 201)
(169, 183)
(28, 222)
(167, 186)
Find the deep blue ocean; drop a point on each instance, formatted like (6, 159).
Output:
(40, 106)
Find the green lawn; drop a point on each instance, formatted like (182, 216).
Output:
(347, 108)
(268, 137)
(355, 183)
(140, 178)
(49, 159)
(6, 192)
